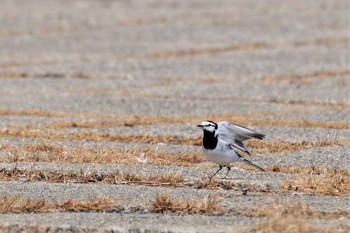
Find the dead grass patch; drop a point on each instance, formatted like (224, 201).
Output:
(250, 121)
(292, 224)
(306, 124)
(114, 120)
(124, 121)
(332, 185)
(40, 113)
(275, 146)
(309, 170)
(195, 52)
(282, 208)
(18, 204)
(286, 209)
(43, 152)
(285, 217)
(130, 121)
(269, 145)
(321, 41)
(165, 203)
(214, 184)
(317, 74)
(243, 47)
(12, 64)
(43, 75)
(167, 179)
(92, 136)
(37, 113)
(310, 103)
(118, 177)
(14, 75)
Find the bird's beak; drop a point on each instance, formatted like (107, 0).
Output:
(200, 126)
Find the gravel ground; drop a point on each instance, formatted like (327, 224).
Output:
(281, 67)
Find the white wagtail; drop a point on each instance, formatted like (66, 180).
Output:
(221, 139)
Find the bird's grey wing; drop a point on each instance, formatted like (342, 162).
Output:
(234, 135)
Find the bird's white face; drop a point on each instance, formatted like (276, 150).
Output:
(208, 126)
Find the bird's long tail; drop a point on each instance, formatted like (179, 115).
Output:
(251, 164)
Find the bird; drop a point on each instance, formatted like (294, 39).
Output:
(221, 141)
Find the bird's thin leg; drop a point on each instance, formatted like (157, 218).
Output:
(217, 171)
(228, 170)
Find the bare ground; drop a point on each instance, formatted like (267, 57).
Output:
(86, 87)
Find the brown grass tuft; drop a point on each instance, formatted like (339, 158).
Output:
(275, 146)
(18, 204)
(229, 185)
(283, 208)
(43, 152)
(25, 132)
(221, 184)
(310, 103)
(214, 184)
(291, 224)
(158, 179)
(165, 203)
(333, 185)
(167, 179)
(287, 209)
(317, 74)
(287, 218)
(194, 52)
(309, 170)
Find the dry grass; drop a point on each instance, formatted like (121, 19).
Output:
(166, 179)
(18, 204)
(333, 185)
(313, 179)
(271, 146)
(117, 119)
(254, 120)
(283, 208)
(309, 103)
(129, 121)
(257, 45)
(165, 203)
(323, 181)
(295, 123)
(294, 225)
(37, 113)
(214, 184)
(43, 75)
(309, 170)
(158, 179)
(291, 224)
(275, 146)
(40, 131)
(322, 41)
(194, 52)
(43, 152)
(317, 74)
(288, 218)
(92, 136)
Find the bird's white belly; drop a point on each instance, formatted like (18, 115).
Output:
(221, 155)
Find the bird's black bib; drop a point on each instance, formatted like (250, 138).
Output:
(209, 140)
